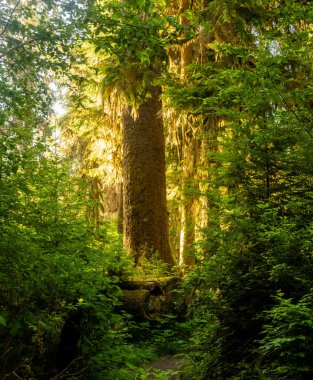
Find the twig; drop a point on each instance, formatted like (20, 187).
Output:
(63, 372)
(11, 348)
(10, 17)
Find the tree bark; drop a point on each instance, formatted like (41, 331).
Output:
(144, 192)
(120, 208)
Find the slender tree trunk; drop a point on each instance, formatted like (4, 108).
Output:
(189, 157)
(145, 213)
(187, 234)
(190, 200)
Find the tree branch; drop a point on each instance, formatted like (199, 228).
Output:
(10, 18)
(289, 106)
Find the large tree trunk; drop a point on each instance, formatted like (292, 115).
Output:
(120, 208)
(144, 193)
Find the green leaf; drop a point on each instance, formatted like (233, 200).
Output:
(3, 322)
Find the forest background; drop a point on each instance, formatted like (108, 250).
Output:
(82, 205)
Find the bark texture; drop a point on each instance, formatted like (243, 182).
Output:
(120, 209)
(144, 193)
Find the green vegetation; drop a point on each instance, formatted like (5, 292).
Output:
(235, 78)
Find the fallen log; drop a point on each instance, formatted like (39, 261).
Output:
(142, 304)
(152, 285)
(149, 299)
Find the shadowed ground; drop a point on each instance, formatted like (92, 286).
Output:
(167, 363)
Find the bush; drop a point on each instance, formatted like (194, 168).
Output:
(287, 343)
(233, 289)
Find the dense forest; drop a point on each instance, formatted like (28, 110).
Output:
(156, 189)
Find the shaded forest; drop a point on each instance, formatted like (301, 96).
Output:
(156, 178)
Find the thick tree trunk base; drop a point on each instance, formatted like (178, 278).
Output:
(69, 338)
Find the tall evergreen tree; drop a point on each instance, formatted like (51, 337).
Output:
(128, 37)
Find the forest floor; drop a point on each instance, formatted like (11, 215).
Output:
(171, 363)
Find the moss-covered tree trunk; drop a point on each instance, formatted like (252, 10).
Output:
(144, 193)
(120, 208)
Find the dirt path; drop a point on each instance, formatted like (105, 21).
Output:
(166, 363)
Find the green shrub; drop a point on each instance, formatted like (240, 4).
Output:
(287, 343)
